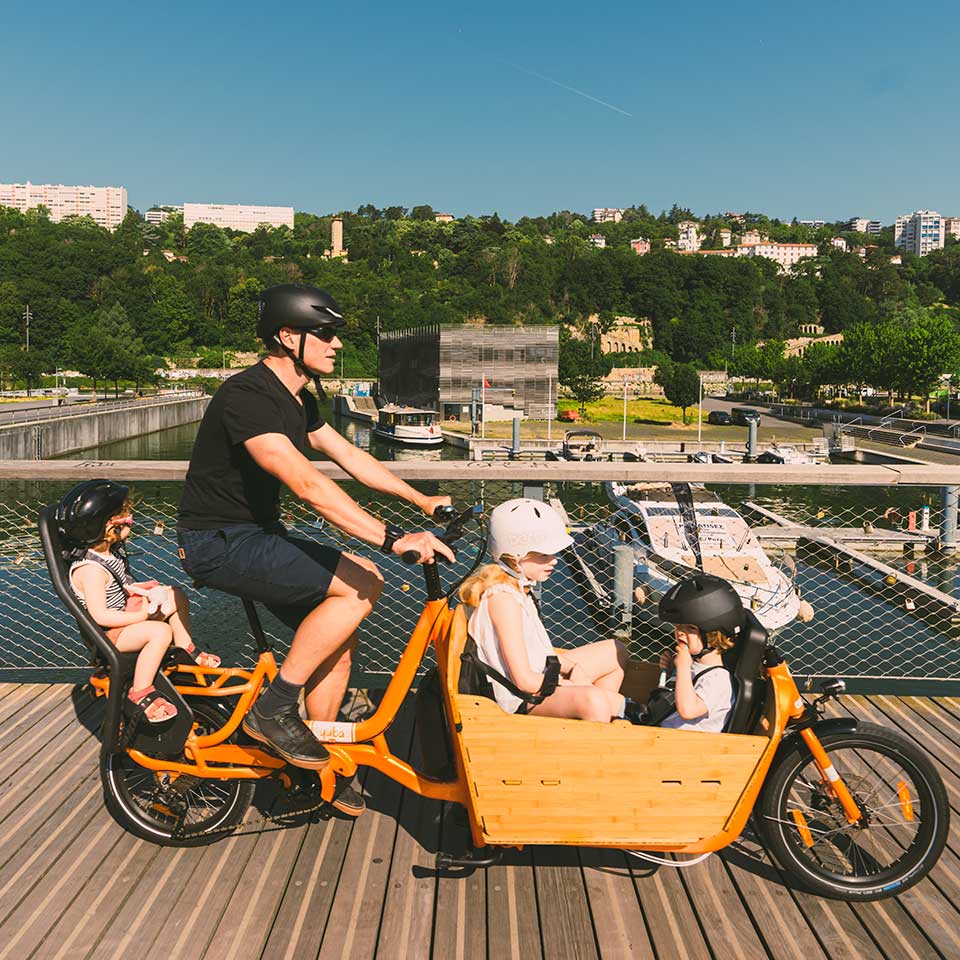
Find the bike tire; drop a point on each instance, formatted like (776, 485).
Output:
(865, 758)
(127, 794)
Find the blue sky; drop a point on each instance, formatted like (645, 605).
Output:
(820, 110)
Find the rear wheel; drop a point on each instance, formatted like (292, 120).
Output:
(903, 832)
(182, 811)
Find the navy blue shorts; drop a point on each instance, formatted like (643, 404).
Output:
(290, 576)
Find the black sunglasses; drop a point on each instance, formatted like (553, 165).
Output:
(326, 334)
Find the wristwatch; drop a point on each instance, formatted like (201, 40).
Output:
(393, 534)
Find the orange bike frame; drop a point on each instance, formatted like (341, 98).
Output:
(241, 762)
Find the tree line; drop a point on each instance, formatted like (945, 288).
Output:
(168, 291)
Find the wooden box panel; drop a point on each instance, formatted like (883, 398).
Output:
(545, 780)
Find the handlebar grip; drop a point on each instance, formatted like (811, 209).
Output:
(410, 556)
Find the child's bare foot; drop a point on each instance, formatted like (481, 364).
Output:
(156, 708)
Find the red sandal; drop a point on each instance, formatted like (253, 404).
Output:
(152, 704)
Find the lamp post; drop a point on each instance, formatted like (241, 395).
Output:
(624, 408)
(699, 407)
(948, 377)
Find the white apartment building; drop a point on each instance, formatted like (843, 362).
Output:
(919, 232)
(785, 254)
(107, 206)
(816, 224)
(839, 243)
(689, 236)
(951, 227)
(640, 246)
(598, 240)
(236, 216)
(159, 214)
(864, 225)
(607, 215)
(726, 237)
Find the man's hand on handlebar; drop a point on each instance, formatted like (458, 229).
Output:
(425, 544)
(429, 504)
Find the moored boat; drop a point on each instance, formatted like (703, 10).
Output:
(409, 425)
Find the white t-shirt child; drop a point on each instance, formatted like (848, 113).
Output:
(716, 691)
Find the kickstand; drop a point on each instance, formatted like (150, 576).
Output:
(445, 861)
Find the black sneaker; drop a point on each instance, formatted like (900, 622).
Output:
(289, 736)
(346, 799)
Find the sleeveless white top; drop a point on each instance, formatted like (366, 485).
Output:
(484, 635)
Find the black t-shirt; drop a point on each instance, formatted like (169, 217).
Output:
(224, 484)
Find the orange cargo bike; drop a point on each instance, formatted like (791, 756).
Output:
(847, 809)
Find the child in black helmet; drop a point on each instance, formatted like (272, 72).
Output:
(707, 614)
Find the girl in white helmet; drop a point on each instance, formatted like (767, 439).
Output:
(524, 538)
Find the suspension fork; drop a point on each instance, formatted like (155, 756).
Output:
(830, 776)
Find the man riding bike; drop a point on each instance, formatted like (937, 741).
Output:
(253, 438)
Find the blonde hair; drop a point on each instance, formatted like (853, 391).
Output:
(111, 534)
(717, 640)
(474, 587)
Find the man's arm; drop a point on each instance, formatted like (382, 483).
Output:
(278, 456)
(369, 470)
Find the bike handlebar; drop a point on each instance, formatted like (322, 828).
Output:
(455, 524)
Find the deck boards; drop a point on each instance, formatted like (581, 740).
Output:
(74, 885)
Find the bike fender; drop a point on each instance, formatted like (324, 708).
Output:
(821, 728)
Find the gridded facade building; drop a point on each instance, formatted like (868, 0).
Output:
(513, 368)
(106, 206)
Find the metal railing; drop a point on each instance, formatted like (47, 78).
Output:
(871, 552)
(86, 409)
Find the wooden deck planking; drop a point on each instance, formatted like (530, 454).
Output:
(73, 884)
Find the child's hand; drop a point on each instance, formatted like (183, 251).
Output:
(666, 660)
(682, 657)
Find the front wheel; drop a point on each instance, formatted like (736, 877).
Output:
(183, 811)
(906, 816)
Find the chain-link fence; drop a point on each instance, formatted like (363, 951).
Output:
(864, 562)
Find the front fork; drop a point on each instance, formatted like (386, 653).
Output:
(804, 715)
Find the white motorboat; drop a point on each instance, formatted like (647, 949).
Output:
(408, 425)
(783, 453)
(680, 528)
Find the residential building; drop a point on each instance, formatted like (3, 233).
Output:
(514, 369)
(839, 243)
(816, 224)
(919, 232)
(864, 225)
(240, 217)
(607, 215)
(951, 227)
(640, 246)
(106, 206)
(726, 237)
(598, 240)
(444, 217)
(785, 254)
(159, 214)
(752, 236)
(689, 238)
(669, 244)
(724, 252)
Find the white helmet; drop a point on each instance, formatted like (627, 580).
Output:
(521, 526)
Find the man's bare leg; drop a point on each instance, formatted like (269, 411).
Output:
(320, 655)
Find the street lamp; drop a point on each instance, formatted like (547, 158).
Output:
(699, 407)
(624, 408)
(948, 377)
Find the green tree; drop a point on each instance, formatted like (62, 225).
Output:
(930, 348)
(578, 371)
(682, 386)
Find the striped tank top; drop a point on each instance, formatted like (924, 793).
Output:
(117, 573)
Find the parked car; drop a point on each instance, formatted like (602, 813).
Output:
(743, 415)
(720, 418)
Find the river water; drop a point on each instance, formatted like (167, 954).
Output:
(859, 628)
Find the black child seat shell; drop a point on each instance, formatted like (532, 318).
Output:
(168, 737)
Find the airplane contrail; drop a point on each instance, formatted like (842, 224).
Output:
(563, 86)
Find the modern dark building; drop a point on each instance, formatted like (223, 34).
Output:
(514, 368)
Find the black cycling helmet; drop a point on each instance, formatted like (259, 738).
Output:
(705, 601)
(83, 513)
(296, 305)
